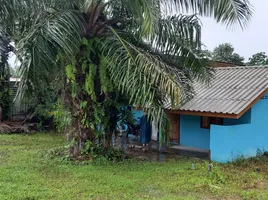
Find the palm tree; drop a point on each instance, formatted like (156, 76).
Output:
(137, 49)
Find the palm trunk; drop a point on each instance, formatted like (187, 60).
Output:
(78, 134)
(85, 117)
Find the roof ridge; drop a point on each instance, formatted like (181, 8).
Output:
(242, 67)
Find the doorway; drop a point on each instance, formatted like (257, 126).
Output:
(174, 131)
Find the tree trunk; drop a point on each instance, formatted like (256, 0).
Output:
(88, 103)
(78, 134)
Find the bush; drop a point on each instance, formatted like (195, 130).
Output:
(94, 152)
(101, 155)
(52, 114)
(62, 118)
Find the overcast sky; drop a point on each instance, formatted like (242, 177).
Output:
(246, 43)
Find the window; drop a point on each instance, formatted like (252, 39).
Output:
(207, 121)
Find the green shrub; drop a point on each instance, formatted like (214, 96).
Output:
(101, 155)
(62, 118)
(54, 115)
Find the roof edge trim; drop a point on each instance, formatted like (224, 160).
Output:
(222, 115)
(253, 102)
(206, 114)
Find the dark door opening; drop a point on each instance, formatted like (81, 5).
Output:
(174, 131)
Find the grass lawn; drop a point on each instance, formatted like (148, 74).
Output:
(25, 174)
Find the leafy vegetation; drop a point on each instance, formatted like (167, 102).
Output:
(5, 99)
(223, 52)
(27, 174)
(101, 155)
(5, 48)
(258, 59)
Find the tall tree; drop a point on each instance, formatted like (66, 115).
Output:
(135, 49)
(225, 52)
(205, 54)
(258, 59)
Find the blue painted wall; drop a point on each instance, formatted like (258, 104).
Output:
(137, 113)
(191, 134)
(228, 143)
(244, 119)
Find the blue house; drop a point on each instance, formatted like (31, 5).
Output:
(228, 117)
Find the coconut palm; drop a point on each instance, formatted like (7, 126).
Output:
(138, 49)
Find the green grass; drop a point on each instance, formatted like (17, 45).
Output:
(25, 174)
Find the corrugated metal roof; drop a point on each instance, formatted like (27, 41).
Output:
(230, 92)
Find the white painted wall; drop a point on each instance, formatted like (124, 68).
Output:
(154, 131)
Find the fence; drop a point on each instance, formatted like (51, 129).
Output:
(18, 111)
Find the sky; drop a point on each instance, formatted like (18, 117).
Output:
(246, 43)
(251, 40)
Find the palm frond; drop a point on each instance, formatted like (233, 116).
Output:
(51, 33)
(178, 27)
(142, 15)
(143, 76)
(167, 78)
(19, 15)
(4, 51)
(228, 12)
(177, 42)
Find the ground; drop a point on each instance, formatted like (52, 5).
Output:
(25, 173)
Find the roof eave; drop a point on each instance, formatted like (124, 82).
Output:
(207, 114)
